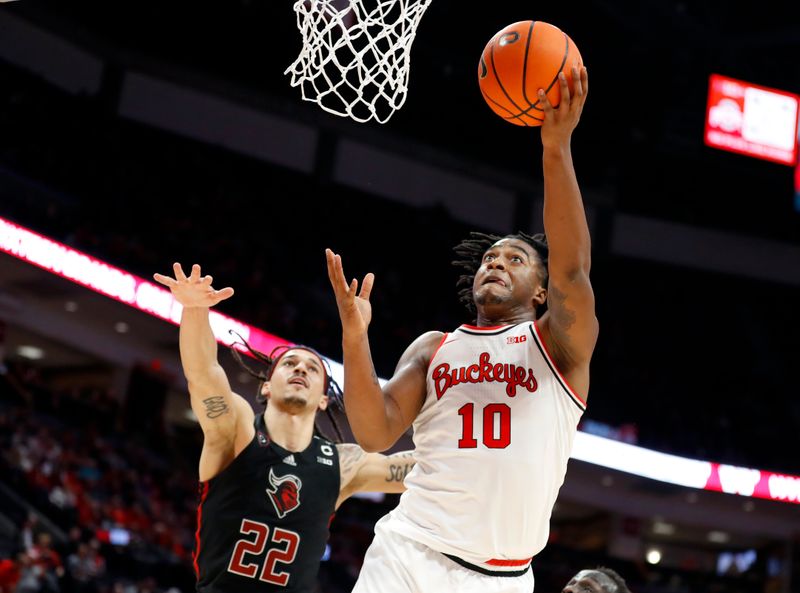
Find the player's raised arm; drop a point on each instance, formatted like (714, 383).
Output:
(217, 408)
(377, 416)
(570, 323)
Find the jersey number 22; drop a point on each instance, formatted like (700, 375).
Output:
(288, 540)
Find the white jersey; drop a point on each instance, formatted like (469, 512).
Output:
(492, 441)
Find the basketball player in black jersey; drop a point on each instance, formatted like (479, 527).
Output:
(268, 485)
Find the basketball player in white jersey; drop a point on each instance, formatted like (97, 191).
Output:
(494, 406)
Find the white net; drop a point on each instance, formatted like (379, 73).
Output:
(356, 55)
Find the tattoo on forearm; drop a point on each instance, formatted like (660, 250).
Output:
(215, 406)
(398, 471)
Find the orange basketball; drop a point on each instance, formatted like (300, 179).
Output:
(517, 62)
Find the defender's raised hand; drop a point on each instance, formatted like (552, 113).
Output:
(355, 310)
(194, 291)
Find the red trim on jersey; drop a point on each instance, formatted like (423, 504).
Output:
(485, 328)
(435, 352)
(496, 562)
(555, 367)
(197, 533)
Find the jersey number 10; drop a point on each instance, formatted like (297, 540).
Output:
(255, 547)
(490, 438)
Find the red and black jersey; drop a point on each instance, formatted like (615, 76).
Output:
(262, 523)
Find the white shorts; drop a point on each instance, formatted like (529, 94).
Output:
(396, 564)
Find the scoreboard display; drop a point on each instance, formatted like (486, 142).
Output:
(753, 120)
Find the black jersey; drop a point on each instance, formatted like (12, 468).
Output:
(262, 523)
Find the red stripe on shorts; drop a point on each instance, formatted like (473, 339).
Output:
(497, 562)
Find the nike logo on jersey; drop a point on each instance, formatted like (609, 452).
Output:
(484, 372)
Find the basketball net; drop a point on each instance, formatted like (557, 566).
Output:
(356, 55)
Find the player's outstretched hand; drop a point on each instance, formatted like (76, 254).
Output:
(194, 291)
(355, 310)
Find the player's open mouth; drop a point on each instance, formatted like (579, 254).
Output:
(298, 381)
(494, 280)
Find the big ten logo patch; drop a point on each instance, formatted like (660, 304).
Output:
(326, 450)
(516, 339)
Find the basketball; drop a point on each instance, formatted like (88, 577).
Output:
(518, 61)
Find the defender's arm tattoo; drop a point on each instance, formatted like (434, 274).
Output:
(350, 459)
(403, 464)
(215, 406)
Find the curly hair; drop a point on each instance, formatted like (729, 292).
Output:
(471, 251)
(621, 587)
(268, 361)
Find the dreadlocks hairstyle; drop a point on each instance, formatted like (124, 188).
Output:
(332, 389)
(614, 576)
(470, 251)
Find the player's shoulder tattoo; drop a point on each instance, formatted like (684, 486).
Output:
(351, 456)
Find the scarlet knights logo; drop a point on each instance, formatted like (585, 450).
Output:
(284, 492)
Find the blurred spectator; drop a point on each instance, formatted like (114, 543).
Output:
(43, 556)
(86, 567)
(33, 577)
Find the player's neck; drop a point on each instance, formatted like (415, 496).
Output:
(293, 432)
(489, 317)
